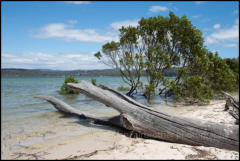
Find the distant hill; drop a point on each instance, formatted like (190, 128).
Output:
(48, 72)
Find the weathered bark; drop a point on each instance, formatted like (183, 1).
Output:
(234, 115)
(231, 102)
(67, 109)
(139, 118)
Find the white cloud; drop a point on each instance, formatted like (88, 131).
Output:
(78, 2)
(117, 25)
(235, 12)
(237, 21)
(66, 61)
(158, 8)
(224, 37)
(65, 32)
(216, 26)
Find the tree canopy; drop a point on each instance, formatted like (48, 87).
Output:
(159, 44)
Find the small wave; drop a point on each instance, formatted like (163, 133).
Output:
(51, 114)
(7, 92)
(29, 105)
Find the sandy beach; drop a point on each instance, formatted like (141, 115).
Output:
(108, 143)
(87, 80)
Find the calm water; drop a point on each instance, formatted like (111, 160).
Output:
(25, 117)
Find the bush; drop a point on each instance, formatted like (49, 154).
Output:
(67, 90)
(121, 88)
(94, 81)
(194, 89)
(208, 76)
(197, 90)
(234, 66)
(220, 75)
(149, 91)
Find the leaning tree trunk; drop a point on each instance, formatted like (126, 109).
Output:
(139, 118)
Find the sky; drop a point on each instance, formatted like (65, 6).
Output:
(64, 35)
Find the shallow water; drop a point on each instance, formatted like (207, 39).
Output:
(27, 121)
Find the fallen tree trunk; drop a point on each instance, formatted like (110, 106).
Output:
(234, 115)
(67, 109)
(139, 118)
(231, 102)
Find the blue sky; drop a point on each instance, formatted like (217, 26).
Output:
(65, 35)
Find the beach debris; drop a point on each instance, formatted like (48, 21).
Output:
(232, 106)
(144, 120)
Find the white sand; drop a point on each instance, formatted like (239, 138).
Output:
(109, 144)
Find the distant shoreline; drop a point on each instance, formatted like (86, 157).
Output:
(16, 72)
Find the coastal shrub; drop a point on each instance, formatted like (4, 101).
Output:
(67, 90)
(220, 75)
(121, 88)
(154, 46)
(208, 77)
(160, 44)
(149, 91)
(94, 81)
(124, 57)
(195, 89)
(234, 66)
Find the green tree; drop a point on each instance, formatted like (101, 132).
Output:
(168, 42)
(220, 75)
(234, 66)
(125, 57)
(159, 44)
(194, 89)
(208, 76)
(67, 90)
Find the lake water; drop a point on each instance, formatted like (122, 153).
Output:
(27, 121)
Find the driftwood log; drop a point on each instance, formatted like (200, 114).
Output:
(140, 118)
(231, 102)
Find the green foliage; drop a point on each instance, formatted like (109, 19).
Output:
(98, 55)
(160, 44)
(149, 91)
(125, 57)
(169, 41)
(195, 89)
(121, 88)
(234, 66)
(70, 79)
(94, 81)
(220, 75)
(110, 47)
(208, 75)
(65, 90)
